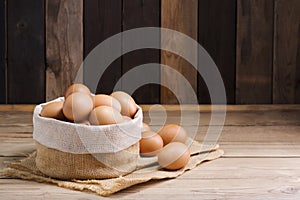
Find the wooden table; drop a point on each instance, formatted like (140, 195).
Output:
(261, 161)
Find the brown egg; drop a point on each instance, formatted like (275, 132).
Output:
(128, 105)
(173, 133)
(77, 106)
(77, 87)
(53, 110)
(146, 127)
(106, 100)
(150, 143)
(104, 115)
(174, 156)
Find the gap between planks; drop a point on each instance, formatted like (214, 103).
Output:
(201, 108)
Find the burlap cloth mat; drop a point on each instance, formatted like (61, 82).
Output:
(148, 169)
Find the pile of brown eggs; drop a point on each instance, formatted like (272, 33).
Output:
(168, 144)
(80, 106)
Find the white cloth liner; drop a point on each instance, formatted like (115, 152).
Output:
(81, 139)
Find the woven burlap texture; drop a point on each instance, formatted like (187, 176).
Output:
(86, 166)
(147, 169)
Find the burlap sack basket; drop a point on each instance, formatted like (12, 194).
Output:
(68, 150)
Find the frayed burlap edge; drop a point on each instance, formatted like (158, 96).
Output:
(107, 187)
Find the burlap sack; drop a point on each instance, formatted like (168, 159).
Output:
(62, 165)
(74, 151)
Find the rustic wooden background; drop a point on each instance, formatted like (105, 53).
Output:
(255, 44)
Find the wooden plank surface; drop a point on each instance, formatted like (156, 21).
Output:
(245, 178)
(202, 108)
(102, 19)
(136, 14)
(254, 51)
(17, 118)
(234, 178)
(2, 52)
(286, 88)
(17, 107)
(17, 121)
(36, 191)
(64, 33)
(250, 118)
(25, 51)
(241, 141)
(260, 161)
(16, 146)
(217, 35)
(180, 16)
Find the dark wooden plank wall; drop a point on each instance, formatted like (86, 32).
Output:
(286, 79)
(218, 36)
(64, 44)
(25, 51)
(255, 44)
(136, 14)
(254, 51)
(179, 15)
(2, 53)
(102, 19)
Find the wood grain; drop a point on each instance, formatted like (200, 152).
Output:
(262, 158)
(202, 108)
(2, 53)
(136, 14)
(17, 118)
(25, 51)
(40, 191)
(180, 16)
(286, 79)
(102, 19)
(22, 128)
(234, 178)
(209, 108)
(16, 146)
(64, 40)
(217, 35)
(254, 51)
(16, 135)
(246, 178)
(236, 141)
(17, 107)
(235, 118)
(285, 115)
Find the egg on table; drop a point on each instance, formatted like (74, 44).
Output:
(146, 127)
(150, 143)
(173, 156)
(173, 133)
